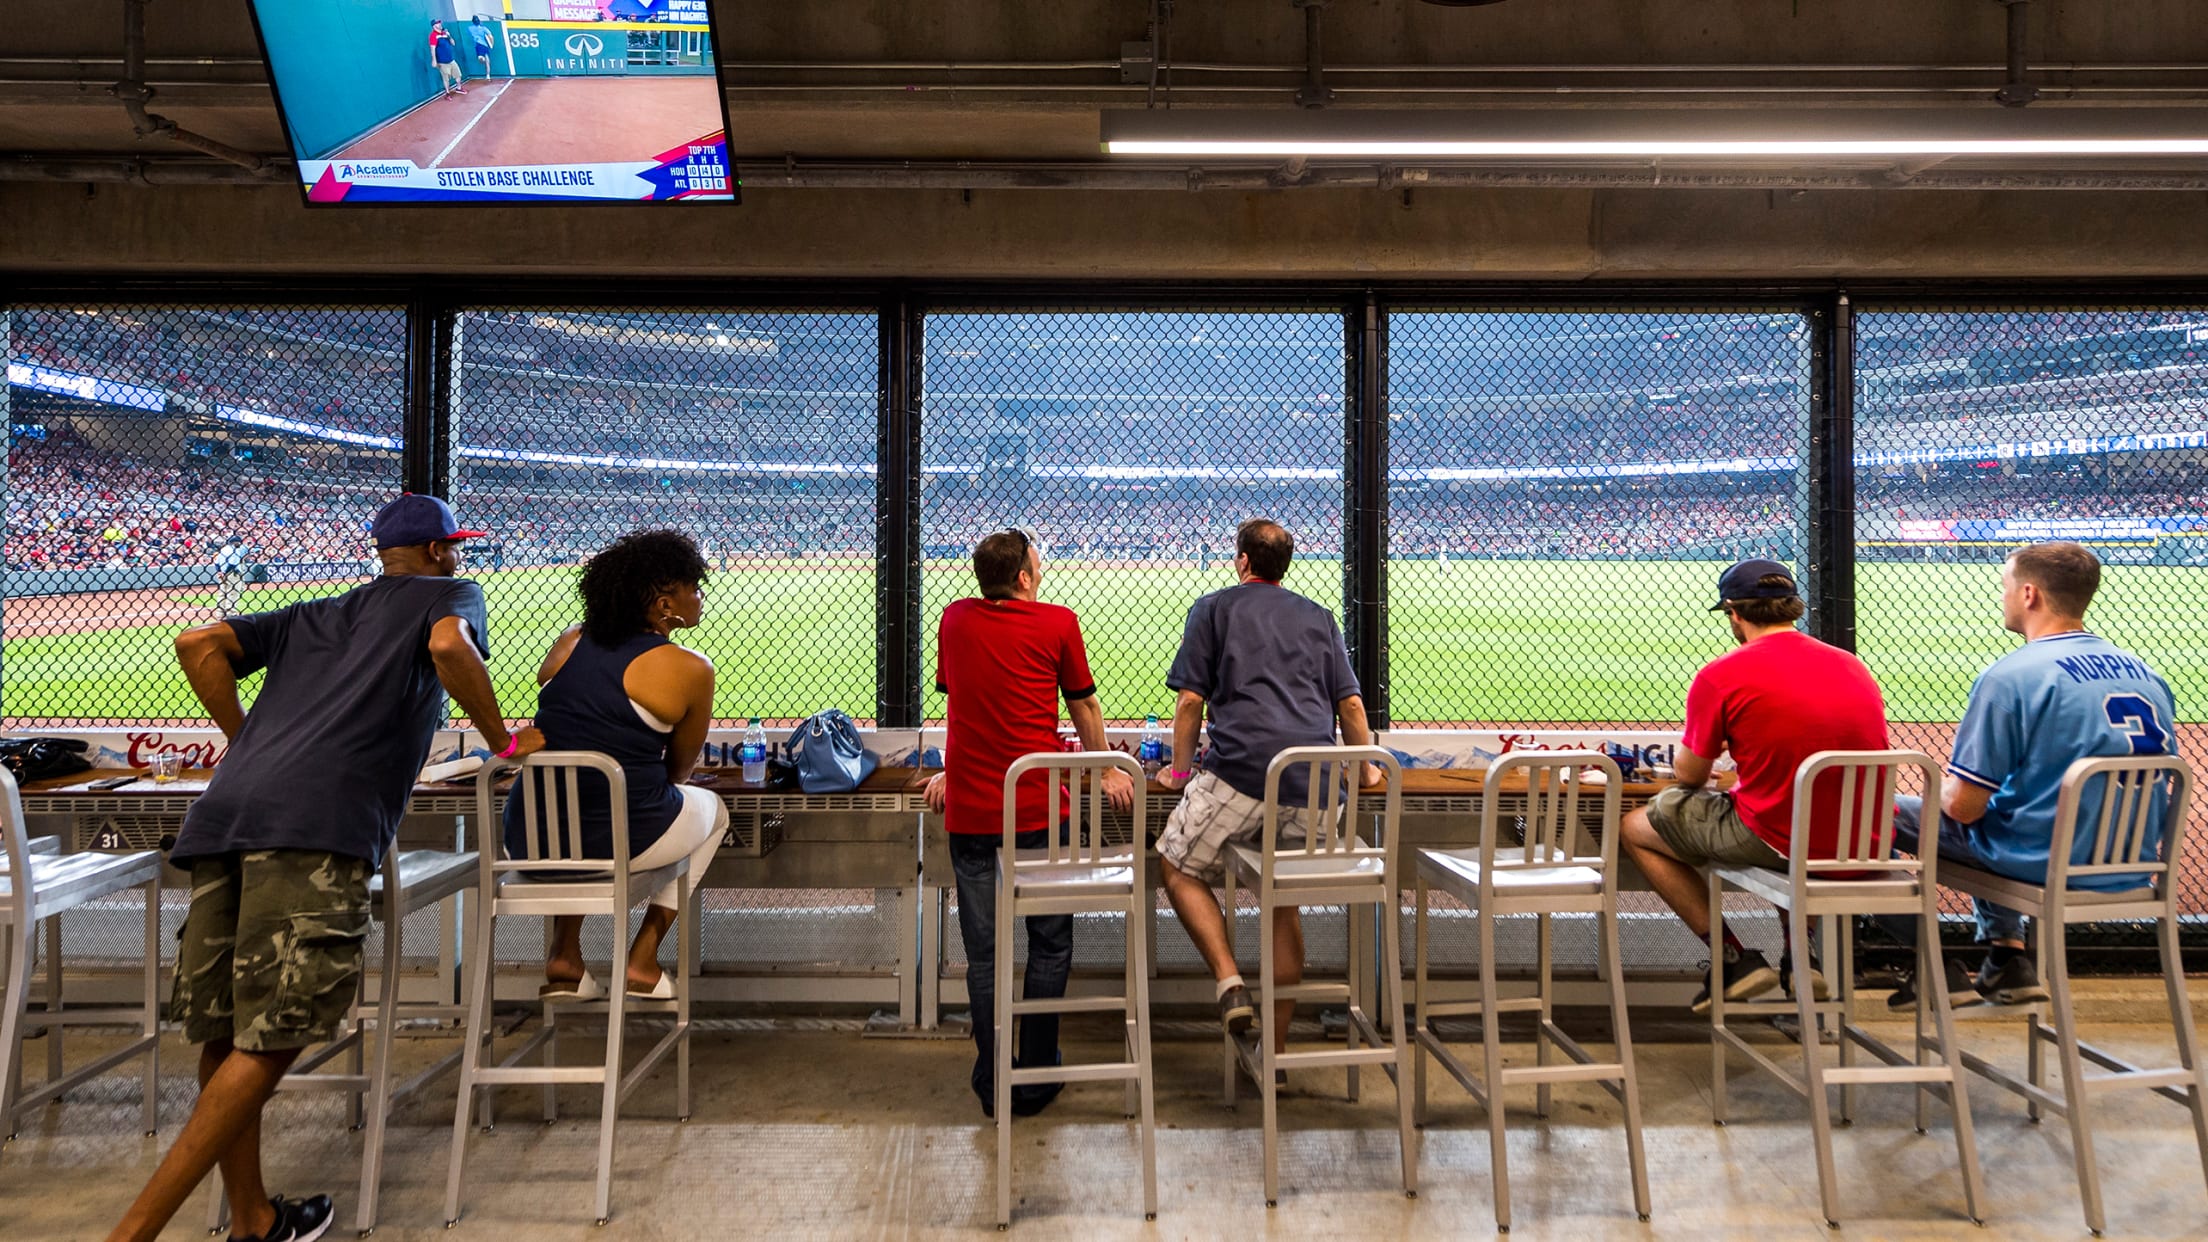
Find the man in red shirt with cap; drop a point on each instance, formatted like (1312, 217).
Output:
(1003, 660)
(1775, 700)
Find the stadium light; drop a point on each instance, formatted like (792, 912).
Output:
(1657, 133)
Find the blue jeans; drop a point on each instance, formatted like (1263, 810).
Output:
(1049, 962)
(1995, 922)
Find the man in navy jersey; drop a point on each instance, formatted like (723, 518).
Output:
(295, 821)
(1268, 668)
(2066, 694)
(1002, 661)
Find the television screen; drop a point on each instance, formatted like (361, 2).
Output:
(499, 101)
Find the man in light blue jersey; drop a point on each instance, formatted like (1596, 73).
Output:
(2066, 694)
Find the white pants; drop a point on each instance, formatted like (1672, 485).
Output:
(696, 832)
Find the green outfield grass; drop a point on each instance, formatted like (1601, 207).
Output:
(1494, 641)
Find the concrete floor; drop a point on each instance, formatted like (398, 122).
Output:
(805, 1133)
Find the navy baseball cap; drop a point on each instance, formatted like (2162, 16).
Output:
(1739, 582)
(412, 520)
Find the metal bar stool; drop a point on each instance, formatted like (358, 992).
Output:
(1546, 874)
(2139, 833)
(1867, 781)
(1078, 872)
(1331, 867)
(408, 882)
(36, 888)
(549, 786)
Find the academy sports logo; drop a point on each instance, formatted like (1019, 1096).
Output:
(370, 172)
(585, 45)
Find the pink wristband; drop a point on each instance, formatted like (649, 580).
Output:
(513, 743)
(1179, 775)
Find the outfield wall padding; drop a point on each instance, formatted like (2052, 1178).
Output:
(26, 584)
(343, 67)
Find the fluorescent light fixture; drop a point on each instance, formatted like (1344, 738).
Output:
(1657, 133)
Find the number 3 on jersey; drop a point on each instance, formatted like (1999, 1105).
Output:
(2135, 718)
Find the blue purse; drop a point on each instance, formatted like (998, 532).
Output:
(829, 755)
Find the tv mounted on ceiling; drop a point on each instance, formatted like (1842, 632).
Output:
(499, 101)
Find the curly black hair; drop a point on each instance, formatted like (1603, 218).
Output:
(619, 584)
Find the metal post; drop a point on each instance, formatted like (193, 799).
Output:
(897, 518)
(431, 351)
(1365, 501)
(1831, 459)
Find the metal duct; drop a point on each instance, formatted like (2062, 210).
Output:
(905, 175)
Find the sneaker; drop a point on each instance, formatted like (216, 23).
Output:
(297, 1220)
(1236, 1011)
(2016, 983)
(1280, 1076)
(1746, 977)
(1818, 987)
(1962, 990)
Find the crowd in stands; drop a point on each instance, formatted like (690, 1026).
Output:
(1016, 404)
(74, 507)
(1902, 339)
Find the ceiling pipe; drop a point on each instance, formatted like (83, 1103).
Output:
(907, 175)
(134, 94)
(2016, 92)
(1313, 92)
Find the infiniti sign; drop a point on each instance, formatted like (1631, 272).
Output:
(584, 45)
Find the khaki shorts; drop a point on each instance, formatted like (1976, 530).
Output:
(1211, 815)
(269, 955)
(1701, 827)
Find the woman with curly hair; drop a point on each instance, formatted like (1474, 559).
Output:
(617, 684)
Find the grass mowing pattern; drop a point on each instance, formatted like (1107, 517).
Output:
(1531, 641)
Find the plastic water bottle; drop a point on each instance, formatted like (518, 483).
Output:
(752, 751)
(1151, 754)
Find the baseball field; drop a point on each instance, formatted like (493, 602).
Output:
(1518, 642)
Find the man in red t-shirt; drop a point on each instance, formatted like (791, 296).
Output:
(1777, 699)
(1003, 660)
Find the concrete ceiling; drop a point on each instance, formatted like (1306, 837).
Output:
(1013, 80)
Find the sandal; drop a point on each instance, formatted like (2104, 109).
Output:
(586, 988)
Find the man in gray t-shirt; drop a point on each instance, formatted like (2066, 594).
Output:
(294, 822)
(1270, 667)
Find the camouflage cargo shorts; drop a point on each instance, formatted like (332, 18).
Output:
(269, 956)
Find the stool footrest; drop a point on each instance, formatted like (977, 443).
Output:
(2141, 1079)
(539, 1075)
(1841, 1075)
(85, 1015)
(1099, 1071)
(1072, 1004)
(1591, 1071)
(1305, 1060)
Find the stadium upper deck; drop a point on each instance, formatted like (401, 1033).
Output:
(1110, 433)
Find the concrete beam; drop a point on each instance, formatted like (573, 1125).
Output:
(1470, 234)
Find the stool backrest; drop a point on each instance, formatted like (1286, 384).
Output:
(1555, 782)
(15, 851)
(2141, 822)
(1078, 778)
(549, 784)
(1330, 803)
(1864, 840)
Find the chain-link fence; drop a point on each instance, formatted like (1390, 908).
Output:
(167, 465)
(1129, 445)
(1982, 431)
(1564, 489)
(750, 431)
